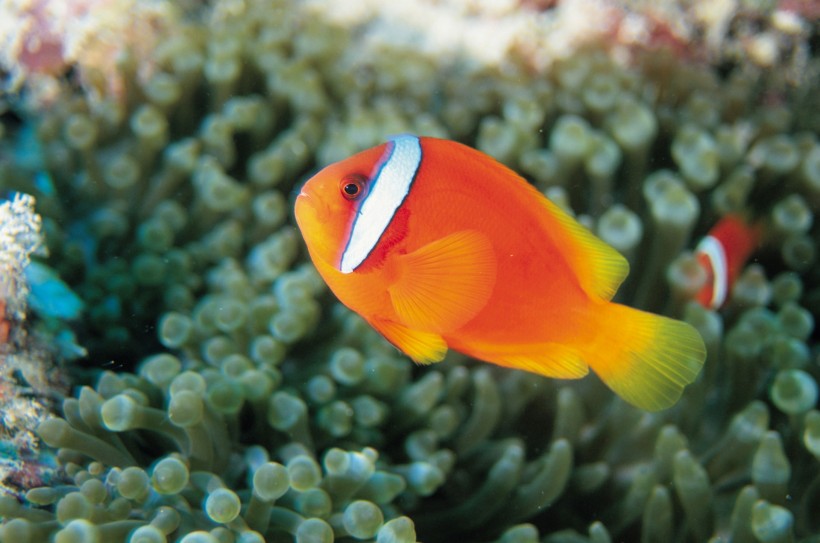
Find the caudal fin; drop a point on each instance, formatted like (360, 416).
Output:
(645, 358)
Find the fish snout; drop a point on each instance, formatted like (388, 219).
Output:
(301, 203)
(310, 208)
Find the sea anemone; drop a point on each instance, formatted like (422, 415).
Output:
(222, 394)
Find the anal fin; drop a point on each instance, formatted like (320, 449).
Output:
(553, 360)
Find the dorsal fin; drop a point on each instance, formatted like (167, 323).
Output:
(600, 268)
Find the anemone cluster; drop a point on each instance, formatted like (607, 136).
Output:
(227, 397)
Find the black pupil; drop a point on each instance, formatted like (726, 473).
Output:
(351, 189)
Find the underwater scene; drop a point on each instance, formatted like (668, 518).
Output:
(238, 302)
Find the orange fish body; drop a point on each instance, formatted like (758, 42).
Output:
(722, 254)
(439, 246)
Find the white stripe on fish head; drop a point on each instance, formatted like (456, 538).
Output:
(714, 251)
(386, 193)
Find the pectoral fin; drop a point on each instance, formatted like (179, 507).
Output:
(444, 284)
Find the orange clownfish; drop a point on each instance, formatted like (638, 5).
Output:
(722, 254)
(437, 246)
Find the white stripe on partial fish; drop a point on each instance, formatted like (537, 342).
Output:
(387, 192)
(713, 249)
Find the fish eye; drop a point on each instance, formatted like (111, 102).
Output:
(353, 186)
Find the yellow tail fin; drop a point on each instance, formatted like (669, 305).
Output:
(646, 359)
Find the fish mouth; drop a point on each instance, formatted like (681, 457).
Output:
(303, 199)
(298, 191)
(306, 208)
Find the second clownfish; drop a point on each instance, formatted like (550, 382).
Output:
(722, 254)
(439, 246)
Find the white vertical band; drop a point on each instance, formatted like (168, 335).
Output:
(714, 251)
(388, 189)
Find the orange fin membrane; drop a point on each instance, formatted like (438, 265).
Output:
(646, 359)
(444, 284)
(553, 360)
(600, 268)
(422, 347)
